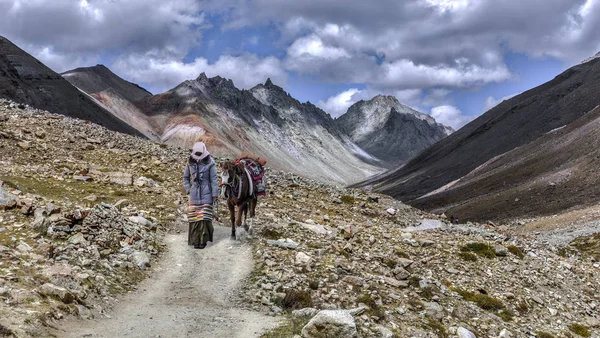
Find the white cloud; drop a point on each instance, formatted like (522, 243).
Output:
(450, 116)
(337, 105)
(491, 102)
(246, 70)
(89, 28)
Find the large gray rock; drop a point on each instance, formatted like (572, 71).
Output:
(141, 259)
(331, 323)
(7, 200)
(464, 333)
(62, 294)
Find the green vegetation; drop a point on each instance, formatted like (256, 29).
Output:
(400, 253)
(580, 330)
(515, 250)
(296, 299)
(347, 199)
(391, 263)
(487, 303)
(313, 284)
(467, 256)
(542, 334)
(374, 308)
(481, 249)
(437, 327)
(427, 293)
(289, 328)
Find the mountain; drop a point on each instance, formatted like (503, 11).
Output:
(99, 78)
(115, 95)
(25, 79)
(425, 180)
(264, 120)
(389, 130)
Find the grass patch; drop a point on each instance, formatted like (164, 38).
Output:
(414, 281)
(483, 301)
(437, 327)
(522, 307)
(580, 330)
(481, 249)
(400, 253)
(468, 256)
(506, 315)
(313, 284)
(427, 293)
(515, 250)
(390, 263)
(347, 199)
(588, 246)
(270, 233)
(374, 308)
(289, 328)
(543, 334)
(296, 299)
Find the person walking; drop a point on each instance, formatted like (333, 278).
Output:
(200, 183)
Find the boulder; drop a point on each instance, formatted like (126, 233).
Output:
(284, 243)
(141, 259)
(120, 178)
(464, 333)
(51, 290)
(7, 200)
(145, 182)
(331, 323)
(143, 221)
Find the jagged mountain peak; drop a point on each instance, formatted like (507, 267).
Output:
(390, 130)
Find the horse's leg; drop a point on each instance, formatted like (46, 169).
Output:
(246, 207)
(232, 216)
(252, 213)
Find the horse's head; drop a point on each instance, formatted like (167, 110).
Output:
(229, 170)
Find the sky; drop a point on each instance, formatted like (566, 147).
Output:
(453, 59)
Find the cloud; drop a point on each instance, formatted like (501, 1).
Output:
(163, 73)
(337, 105)
(450, 116)
(90, 28)
(491, 102)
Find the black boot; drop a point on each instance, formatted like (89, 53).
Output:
(199, 246)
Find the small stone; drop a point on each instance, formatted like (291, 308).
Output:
(302, 258)
(61, 293)
(141, 259)
(391, 211)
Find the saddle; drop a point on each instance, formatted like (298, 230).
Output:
(256, 173)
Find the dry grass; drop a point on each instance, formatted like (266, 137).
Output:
(289, 328)
(481, 249)
(580, 330)
(296, 299)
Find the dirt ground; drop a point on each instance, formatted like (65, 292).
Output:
(191, 294)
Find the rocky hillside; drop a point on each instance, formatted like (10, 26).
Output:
(390, 130)
(115, 95)
(83, 211)
(513, 123)
(93, 80)
(27, 81)
(265, 120)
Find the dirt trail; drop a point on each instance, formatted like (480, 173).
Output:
(188, 296)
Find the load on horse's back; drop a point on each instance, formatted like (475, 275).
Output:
(242, 181)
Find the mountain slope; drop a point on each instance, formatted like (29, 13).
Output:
(115, 95)
(389, 130)
(27, 80)
(99, 78)
(264, 120)
(513, 123)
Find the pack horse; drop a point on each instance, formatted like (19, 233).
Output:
(242, 181)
